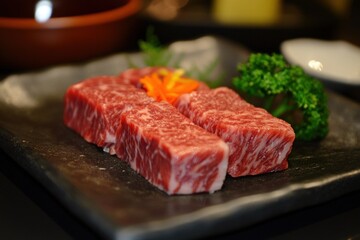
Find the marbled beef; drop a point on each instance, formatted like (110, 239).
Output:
(93, 108)
(258, 142)
(170, 151)
(154, 138)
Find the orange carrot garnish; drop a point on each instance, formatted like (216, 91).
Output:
(165, 85)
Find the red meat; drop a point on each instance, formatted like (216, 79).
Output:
(93, 108)
(258, 142)
(154, 138)
(170, 151)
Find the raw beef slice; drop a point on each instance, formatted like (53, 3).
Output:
(93, 108)
(258, 142)
(170, 151)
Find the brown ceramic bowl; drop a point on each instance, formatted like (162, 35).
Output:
(77, 30)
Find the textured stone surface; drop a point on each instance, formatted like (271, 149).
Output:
(116, 202)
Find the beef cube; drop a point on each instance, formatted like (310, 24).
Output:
(93, 108)
(258, 142)
(170, 151)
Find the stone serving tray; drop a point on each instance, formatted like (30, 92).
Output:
(114, 201)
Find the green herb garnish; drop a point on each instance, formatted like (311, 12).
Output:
(155, 54)
(287, 92)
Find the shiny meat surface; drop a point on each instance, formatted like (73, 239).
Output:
(258, 142)
(93, 108)
(170, 151)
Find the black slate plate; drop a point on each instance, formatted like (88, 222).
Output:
(119, 204)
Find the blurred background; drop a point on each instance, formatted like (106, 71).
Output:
(260, 25)
(41, 33)
(36, 34)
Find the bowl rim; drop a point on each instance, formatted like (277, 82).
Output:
(130, 8)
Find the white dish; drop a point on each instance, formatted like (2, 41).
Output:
(337, 63)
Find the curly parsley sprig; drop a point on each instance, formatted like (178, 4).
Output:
(287, 92)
